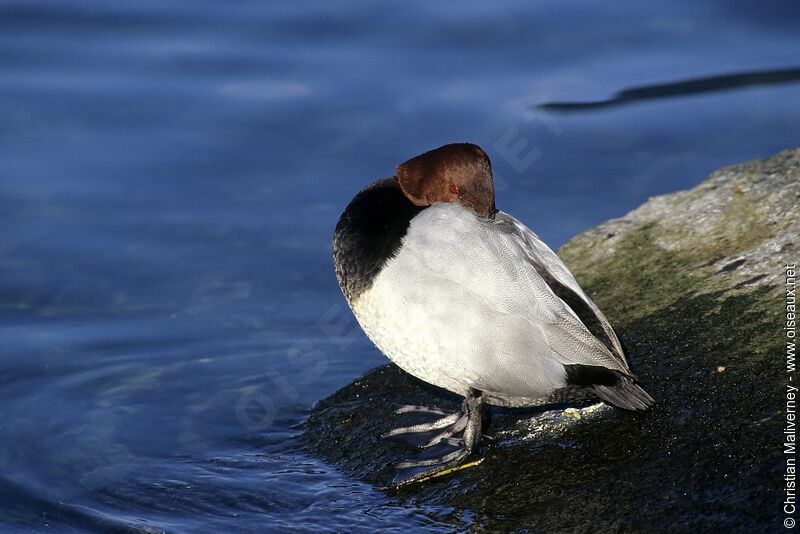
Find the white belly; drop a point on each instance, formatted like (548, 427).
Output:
(423, 313)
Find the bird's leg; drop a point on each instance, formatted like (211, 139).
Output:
(469, 420)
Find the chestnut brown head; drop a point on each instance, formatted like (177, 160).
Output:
(459, 173)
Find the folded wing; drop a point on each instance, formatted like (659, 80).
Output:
(520, 300)
(561, 282)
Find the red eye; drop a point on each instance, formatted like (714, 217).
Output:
(453, 189)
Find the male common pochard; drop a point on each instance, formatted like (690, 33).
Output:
(467, 298)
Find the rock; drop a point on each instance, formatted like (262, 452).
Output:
(694, 283)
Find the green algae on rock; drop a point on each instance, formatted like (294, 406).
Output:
(733, 232)
(692, 282)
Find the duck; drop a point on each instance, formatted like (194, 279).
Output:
(467, 298)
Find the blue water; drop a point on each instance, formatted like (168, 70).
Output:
(169, 181)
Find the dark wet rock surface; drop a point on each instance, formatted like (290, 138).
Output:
(693, 284)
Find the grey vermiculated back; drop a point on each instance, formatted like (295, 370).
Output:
(462, 306)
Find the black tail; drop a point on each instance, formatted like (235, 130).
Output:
(610, 385)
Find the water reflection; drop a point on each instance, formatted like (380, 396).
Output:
(710, 84)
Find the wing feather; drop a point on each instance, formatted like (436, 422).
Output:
(496, 262)
(562, 283)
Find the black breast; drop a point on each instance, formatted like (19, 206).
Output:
(369, 233)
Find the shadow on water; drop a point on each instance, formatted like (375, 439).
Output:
(726, 82)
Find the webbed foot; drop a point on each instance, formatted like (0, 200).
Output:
(467, 421)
